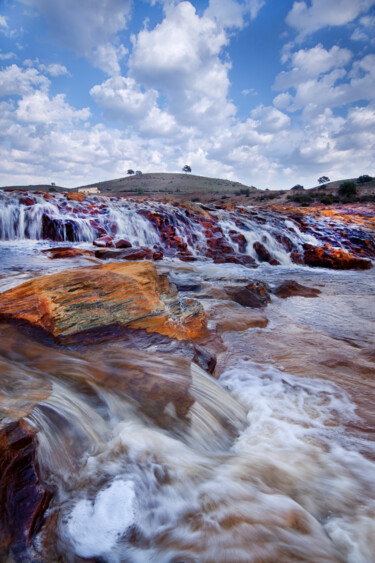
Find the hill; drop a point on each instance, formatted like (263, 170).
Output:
(169, 183)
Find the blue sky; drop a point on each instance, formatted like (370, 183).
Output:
(267, 92)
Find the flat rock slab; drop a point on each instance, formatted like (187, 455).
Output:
(82, 301)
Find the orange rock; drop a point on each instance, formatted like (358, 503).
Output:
(335, 258)
(66, 252)
(72, 304)
(75, 196)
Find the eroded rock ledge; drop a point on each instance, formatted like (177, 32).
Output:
(73, 304)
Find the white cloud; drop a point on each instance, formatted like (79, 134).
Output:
(7, 56)
(231, 14)
(3, 21)
(38, 107)
(307, 19)
(320, 79)
(311, 63)
(53, 69)
(191, 74)
(86, 28)
(17, 81)
(271, 119)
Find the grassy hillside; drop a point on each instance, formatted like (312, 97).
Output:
(169, 184)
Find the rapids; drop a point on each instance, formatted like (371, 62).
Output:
(271, 459)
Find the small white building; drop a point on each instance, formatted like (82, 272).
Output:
(93, 190)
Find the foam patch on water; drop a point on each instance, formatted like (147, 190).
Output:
(95, 527)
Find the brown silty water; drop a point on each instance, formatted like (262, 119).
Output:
(150, 458)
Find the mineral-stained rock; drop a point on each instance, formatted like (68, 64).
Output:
(256, 294)
(66, 252)
(76, 303)
(142, 253)
(335, 258)
(23, 500)
(290, 288)
(264, 255)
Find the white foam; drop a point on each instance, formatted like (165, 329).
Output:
(95, 527)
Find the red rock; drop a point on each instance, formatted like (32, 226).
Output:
(105, 241)
(264, 255)
(23, 500)
(337, 259)
(255, 295)
(239, 239)
(122, 243)
(290, 288)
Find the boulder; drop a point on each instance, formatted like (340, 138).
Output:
(79, 303)
(328, 257)
(105, 241)
(290, 288)
(122, 243)
(255, 295)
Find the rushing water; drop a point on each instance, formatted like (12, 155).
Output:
(271, 460)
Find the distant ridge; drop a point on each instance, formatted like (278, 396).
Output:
(168, 183)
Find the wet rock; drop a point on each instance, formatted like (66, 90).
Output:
(255, 295)
(337, 259)
(291, 288)
(23, 500)
(79, 303)
(231, 317)
(129, 254)
(264, 255)
(66, 252)
(59, 230)
(239, 239)
(122, 243)
(105, 241)
(75, 196)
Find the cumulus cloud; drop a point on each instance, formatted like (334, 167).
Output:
(192, 74)
(311, 63)
(90, 31)
(123, 100)
(17, 81)
(321, 78)
(38, 107)
(307, 19)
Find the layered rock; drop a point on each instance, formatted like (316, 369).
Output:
(76, 303)
(23, 500)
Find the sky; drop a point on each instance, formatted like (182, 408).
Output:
(270, 93)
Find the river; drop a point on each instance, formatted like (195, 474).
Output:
(274, 460)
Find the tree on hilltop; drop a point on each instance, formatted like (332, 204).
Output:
(363, 179)
(130, 171)
(323, 179)
(186, 168)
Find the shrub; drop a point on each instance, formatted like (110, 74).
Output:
(347, 189)
(363, 179)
